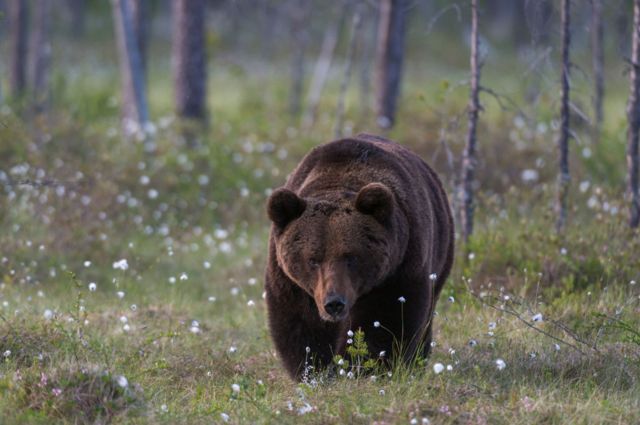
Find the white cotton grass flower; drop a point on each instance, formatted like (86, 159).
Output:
(120, 294)
(251, 303)
(224, 417)
(124, 319)
(87, 263)
(93, 287)
(500, 364)
(381, 392)
(433, 276)
(121, 264)
(6, 354)
(164, 408)
(126, 327)
(382, 353)
(449, 368)
(376, 324)
(232, 349)
(350, 333)
(529, 175)
(48, 314)
(537, 317)
(235, 388)
(438, 368)
(402, 300)
(451, 299)
(212, 299)
(183, 276)
(304, 409)
(122, 381)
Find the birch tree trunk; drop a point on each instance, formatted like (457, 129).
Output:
(188, 57)
(134, 103)
(597, 39)
(299, 32)
(40, 61)
(564, 177)
(77, 8)
(367, 43)
(389, 59)
(322, 68)
(633, 116)
(141, 27)
(469, 160)
(355, 26)
(18, 40)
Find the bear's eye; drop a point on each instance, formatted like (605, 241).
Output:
(313, 263)
(351, 260)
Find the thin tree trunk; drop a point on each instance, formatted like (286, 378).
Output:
(389, 58)
(77, 8)
(134, 102)
(368, 49)
(633, 116)
(563, 142)
(40, 63)
(19, 21)
(469, 157)
(189, 59)
(355, 26)
(141, 27)
(597, 39)
(321, 69)
(299, 31)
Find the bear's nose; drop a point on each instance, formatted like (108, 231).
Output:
(335, 305)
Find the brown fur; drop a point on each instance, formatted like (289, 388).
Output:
(366, 221)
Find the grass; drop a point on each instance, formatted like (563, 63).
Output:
(180, 336)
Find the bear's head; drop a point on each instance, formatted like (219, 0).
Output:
(336, 249)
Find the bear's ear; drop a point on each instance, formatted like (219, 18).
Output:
(375, 199)
(284, 206)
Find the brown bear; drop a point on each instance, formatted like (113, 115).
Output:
(361, 238)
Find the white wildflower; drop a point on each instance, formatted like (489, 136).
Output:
(122, 381)
(438, 368)
(500, 364)
(121, 264)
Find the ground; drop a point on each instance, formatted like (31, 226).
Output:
(132, 285)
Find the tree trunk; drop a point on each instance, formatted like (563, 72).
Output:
(355, 26)
(469, 157)
(134, 103)
(322, 68)
(77, 8)
(597, 39)
(367, 42)
(19, 21)
(389, 58)
(299, 14)
(563, 141)
(141, 27)
(40, 61)
(633, 116)
(189, 59)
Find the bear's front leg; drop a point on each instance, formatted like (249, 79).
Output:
(301, 337)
